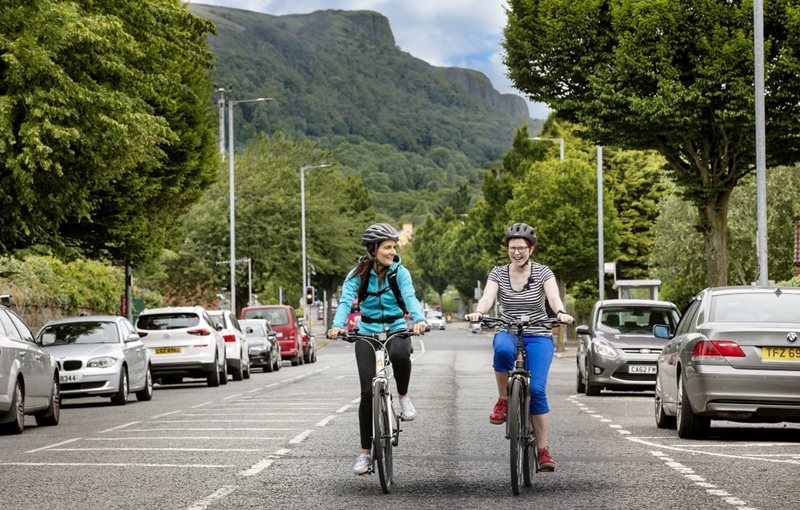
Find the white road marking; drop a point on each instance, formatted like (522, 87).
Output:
(211, 498)
(712, 454)
(116, 464)
(299, 438)
(201, 405)
(159, 449)
(257, 467)
(54, 445)
(119, 427)
(200, 429)
(325, 421)
(221, 421)
(232, 396)
(186, 438)
(164, 414)
(343, 408)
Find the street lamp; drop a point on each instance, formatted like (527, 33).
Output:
(231, 104)
(303, 229)
(560, 143)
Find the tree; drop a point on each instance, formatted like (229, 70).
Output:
(675, 77)
(431, 251)
(105, 133)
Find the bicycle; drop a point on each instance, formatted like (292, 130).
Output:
(524, 455)
(385, 422)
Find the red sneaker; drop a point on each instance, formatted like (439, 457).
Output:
(498, 416)
(546, 462)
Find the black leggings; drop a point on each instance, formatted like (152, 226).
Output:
(400, 358)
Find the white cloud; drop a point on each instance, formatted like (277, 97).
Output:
(461, 33)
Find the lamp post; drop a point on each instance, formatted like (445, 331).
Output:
(761, 161)
(303, 230)
(600, 266)
(231, 104)
(560, 145)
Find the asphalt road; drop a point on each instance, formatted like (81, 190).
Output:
(288, 439)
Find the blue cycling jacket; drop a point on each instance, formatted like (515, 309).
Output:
(383, 305)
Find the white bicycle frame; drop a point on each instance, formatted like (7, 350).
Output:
(382, 379)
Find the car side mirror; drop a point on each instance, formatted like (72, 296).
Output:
(272, 336)
(218, 327)
(582, 330)
(662, 331)
(49, 339)
(133, 337)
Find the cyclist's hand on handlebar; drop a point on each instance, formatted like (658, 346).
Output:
(565, 318)
(335, 332)
(420, 327)
(474, 317)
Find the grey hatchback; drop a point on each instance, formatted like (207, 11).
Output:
(734, 356)
(617, 349)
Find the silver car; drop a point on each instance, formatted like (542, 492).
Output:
(100, 356)
(262, 342)
(735, 355)
(28, 377)
(435, 320)
(617, 349)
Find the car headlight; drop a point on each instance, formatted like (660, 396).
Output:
(102, 362)
(603, 349)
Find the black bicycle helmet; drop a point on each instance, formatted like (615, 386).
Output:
(378, 232)
(521, 230)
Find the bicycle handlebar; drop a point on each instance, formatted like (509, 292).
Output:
(521, 322)
(378, 337)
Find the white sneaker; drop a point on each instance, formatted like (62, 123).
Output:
(362, 465)
(407, 411)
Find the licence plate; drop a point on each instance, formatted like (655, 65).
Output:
(168, 350)
(642, 369)
(71, 378)
(781, 353)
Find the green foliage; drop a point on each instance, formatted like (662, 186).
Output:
(105, 133)
(675, 77)
(43, 281)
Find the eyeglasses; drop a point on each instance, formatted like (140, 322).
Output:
(517, 249)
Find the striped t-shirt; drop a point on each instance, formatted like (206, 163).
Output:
(528, 301)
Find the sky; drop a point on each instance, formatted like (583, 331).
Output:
(449, 33)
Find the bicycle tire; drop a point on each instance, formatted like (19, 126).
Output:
(530, 459)
(517, 434)
(381, 442)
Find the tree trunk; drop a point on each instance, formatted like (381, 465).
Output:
(715, 237)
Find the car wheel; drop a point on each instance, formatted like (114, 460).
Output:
(314, 357)
(591, 390)
(238, 372)
(146, 393)
(120, 398)
(689, 424)
(581, 384)
(52, 415)
(213, 377)
(16, 411)
(279, 362)
(270, 365)
(246, 371)
(663, 421)
(223, 375)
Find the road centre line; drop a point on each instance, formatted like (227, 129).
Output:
(164, 414)
(119, 427)
(201, 405)
(299, 438)
(264, 463)
(54, 445)
(325, 421)
(232, 396)
(343, 408)
(220, 493)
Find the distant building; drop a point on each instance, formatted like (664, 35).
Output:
(406, 234)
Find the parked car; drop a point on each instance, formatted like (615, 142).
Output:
(100, 356)
(354, 317)
(284, 322)
(309, 344)
(29, 377)
(183, 342)
(733, 356)
(434, 320)
(262, 342)
(617, 349)
(236, 352)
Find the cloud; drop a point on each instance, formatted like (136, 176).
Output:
(450, 33)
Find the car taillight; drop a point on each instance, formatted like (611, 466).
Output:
(199, 332)
(229, 338)
(142, 334)
(715, 349)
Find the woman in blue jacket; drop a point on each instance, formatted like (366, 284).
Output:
(385, 292)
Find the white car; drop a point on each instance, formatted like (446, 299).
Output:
(183, 342)
(435, 320)
(100, 356)
(235, 343)
(29, 377)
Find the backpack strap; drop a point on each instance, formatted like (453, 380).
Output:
(392, 276)
(393, 286)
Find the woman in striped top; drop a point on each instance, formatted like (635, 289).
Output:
(523, 286)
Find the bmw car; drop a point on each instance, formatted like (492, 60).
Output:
(735, 355)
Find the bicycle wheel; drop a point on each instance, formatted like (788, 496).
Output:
(530, 460)
(517, 433)
(381, 440)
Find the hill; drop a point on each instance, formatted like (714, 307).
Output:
(339, 75)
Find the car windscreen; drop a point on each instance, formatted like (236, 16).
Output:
(218, 319)
(179, 320)
(635, 319)
(275, 316)
(755, 307)
(254, 329)
(90, 332)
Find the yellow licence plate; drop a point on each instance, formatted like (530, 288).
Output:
(781, 353)
(168, 350)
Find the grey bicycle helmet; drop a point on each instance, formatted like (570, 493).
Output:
(378, 232)
(521, 230)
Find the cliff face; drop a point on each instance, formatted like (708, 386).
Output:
(478, 85)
